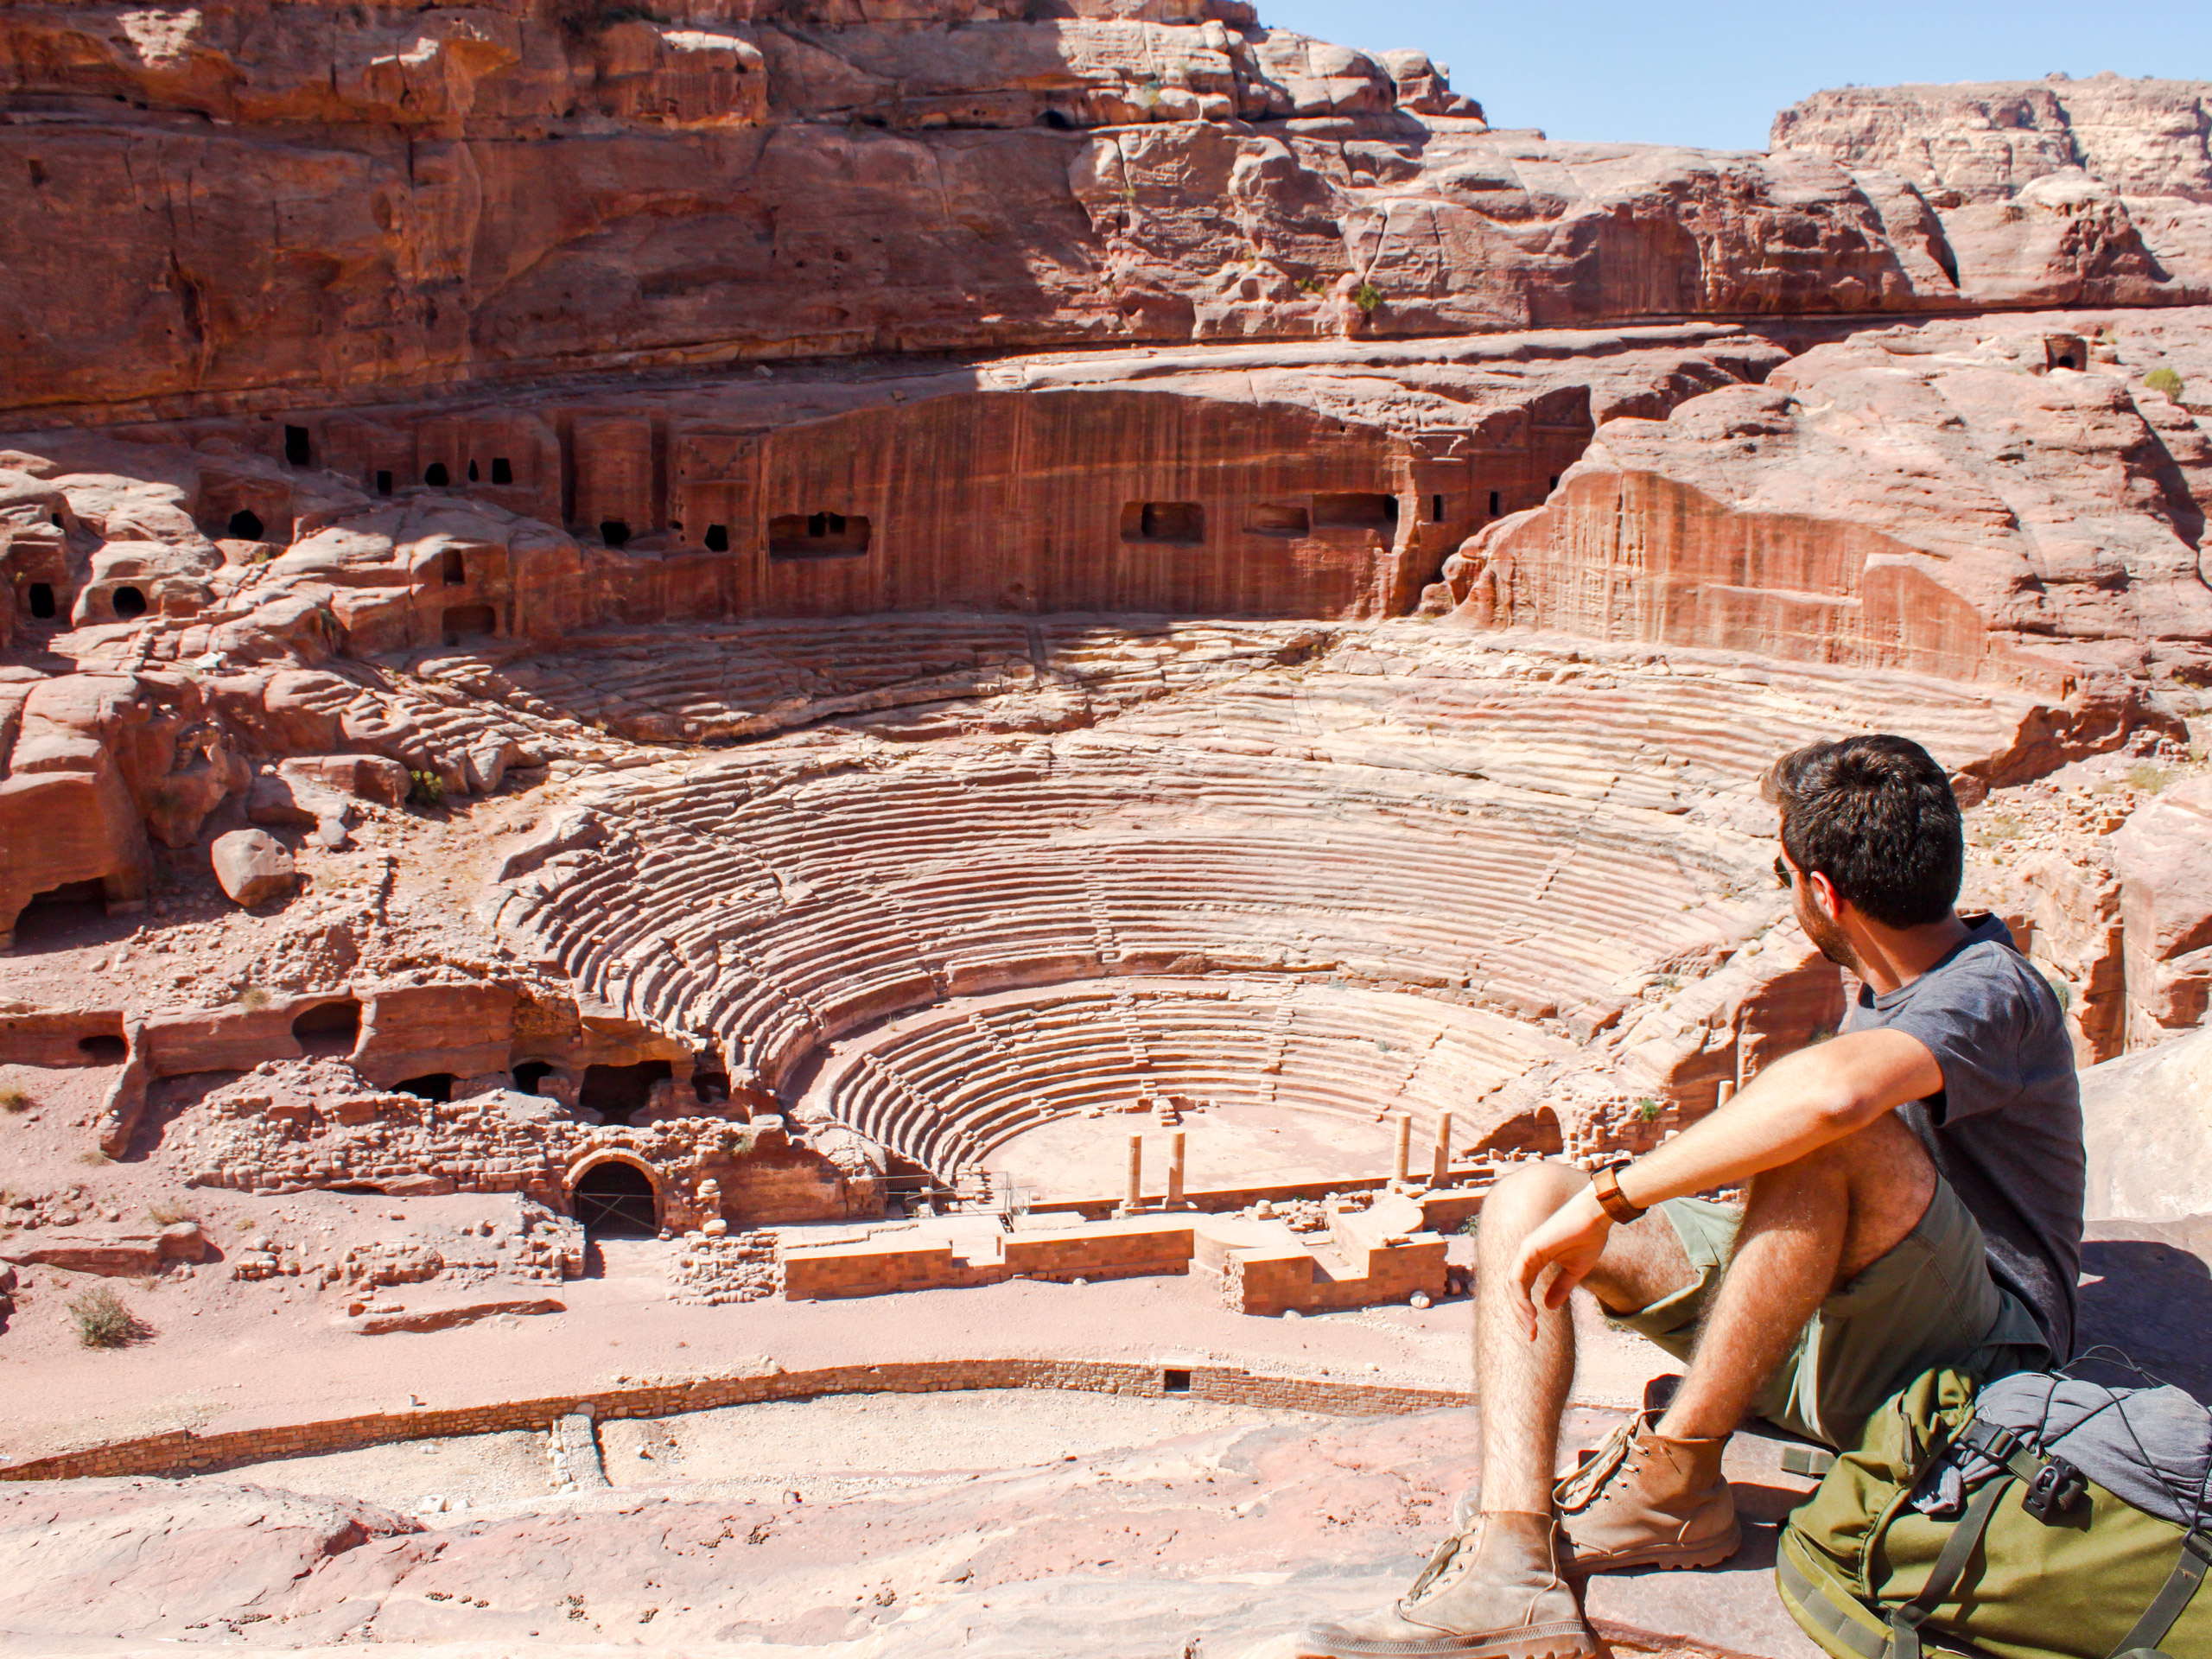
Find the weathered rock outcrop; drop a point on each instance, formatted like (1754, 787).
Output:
(2054, 192)
(2147, 1121)
(487, 194)
(1956, 501)
(2165, 857)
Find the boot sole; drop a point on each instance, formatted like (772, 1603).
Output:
(1560, 1641)
(1668, 1556)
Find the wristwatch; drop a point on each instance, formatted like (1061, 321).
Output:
(1605, 1182)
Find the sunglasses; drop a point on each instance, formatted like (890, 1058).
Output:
(1782, 875)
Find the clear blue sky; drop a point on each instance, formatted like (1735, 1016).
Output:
(1713, 75)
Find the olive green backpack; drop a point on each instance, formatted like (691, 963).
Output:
(2038, 1517)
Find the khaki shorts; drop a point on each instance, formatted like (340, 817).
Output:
(1931, 1301)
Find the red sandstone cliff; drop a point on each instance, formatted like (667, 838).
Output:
(258, 206)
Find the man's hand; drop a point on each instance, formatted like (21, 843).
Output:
(1568, 1244)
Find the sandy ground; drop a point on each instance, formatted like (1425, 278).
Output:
(810, 1451)
(225, 1355)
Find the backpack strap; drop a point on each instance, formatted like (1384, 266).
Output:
(2170, 1602)
(1943, 1577)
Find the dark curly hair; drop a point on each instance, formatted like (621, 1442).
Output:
(1876, 816)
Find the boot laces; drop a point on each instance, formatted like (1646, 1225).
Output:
(1584, 1487)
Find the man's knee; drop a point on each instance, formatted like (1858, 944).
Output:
(1523, 1199)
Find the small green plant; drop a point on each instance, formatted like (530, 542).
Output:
(1309, 284)
(428, 789)
(1648, 1110)
(2166, 381)
(1366, 296)
(13, 1100)
(1471, 1226)
(102, 1320)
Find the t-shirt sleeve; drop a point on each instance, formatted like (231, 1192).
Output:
(1979, 1018)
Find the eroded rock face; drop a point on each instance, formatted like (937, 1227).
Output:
(2051, 192)
(2165, 857)
(1947, 504)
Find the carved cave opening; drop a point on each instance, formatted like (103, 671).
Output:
(1170, 524)
(328, 1030)
(299, 450)
(129, 602)
(436, 476)
(818, 535)
(616, 1200)
(530, 1073)
(104, 1050)
(453, 568)
(39, 597)
(432, 1085)
(1356, 509)
(1277, 519)
(615, 532)
(717, 538)
(617, 1092)
(384, 482)
(503, 470)
(245, 525)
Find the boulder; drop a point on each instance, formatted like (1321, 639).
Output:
(253, 866)
(372, 777)
(2165, 859)
(2147, 1121)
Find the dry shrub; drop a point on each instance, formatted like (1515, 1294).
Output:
(167, 1212)
(103, 1320)
(13, 1100)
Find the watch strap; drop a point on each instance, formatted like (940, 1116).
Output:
(1606, 1183)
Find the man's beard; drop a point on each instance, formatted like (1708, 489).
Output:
(1830, 940)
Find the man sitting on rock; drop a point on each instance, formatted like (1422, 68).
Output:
(1914, 1197)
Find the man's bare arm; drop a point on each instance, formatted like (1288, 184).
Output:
(1796, 1106)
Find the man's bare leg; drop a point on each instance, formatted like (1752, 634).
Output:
(1521, 1386)
(1810, 1228)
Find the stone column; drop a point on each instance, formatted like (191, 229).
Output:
(1136, 1174)
(1442, 1174)
(1725, 1093)
(1402, 1160)
(1175, 1170)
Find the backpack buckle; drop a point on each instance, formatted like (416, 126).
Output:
(2057, 1487)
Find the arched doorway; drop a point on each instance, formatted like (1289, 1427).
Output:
(616, 1199)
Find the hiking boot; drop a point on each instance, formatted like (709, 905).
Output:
(1492, 1592)
(1645, 1500)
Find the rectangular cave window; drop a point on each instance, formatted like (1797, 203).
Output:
(1174, 1381)
(328, 1030)
(1171, 523)
(1276, 518)
(1554, 480)
(384, 482)
(461, 621)
(1493, 503)
(818, 535)
(717, 538)
(39, 597)
(1436, 509)
(473, 475)
(453, 568)
(1358, 510)
(503, 471)
(298, 452)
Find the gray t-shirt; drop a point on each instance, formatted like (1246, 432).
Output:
(2005, 1131)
